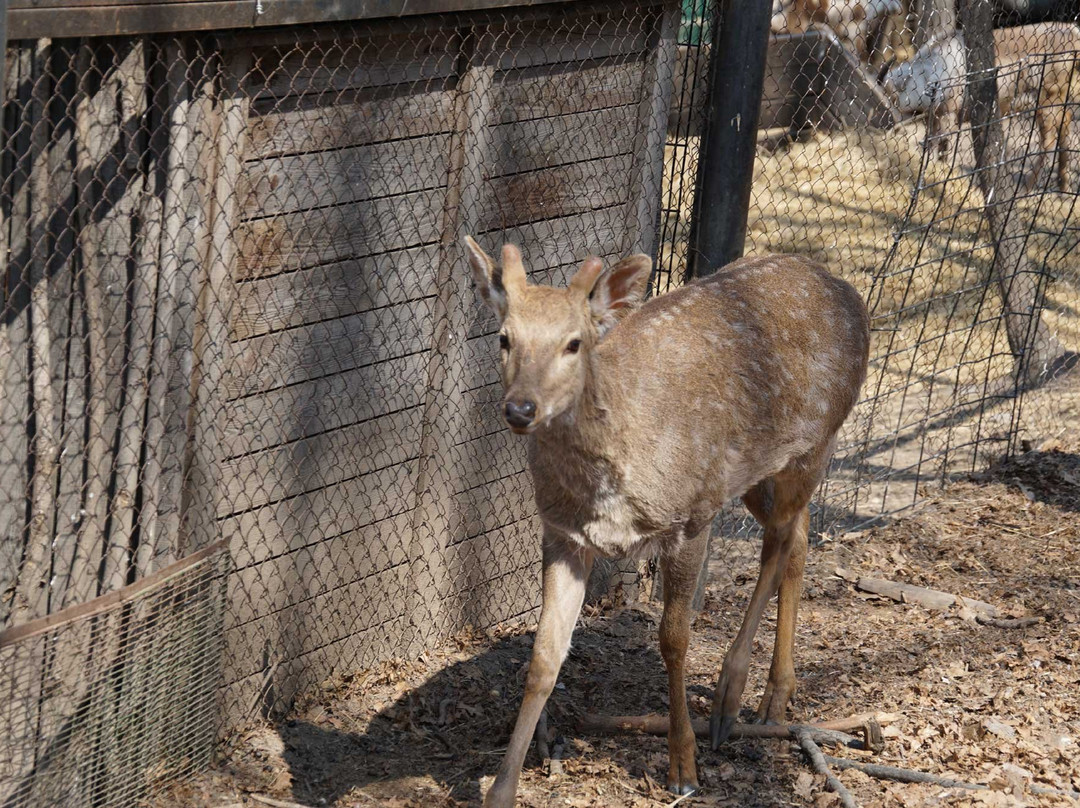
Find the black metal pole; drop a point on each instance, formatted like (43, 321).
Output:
(3, 50)
(726, 165)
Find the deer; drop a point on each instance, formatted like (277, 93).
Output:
(1037, 67)
(754, 369)
(860, 24)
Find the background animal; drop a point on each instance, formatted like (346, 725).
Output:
(761, 363)
(931, 82)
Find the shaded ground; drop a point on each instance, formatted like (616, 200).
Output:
(986, 704)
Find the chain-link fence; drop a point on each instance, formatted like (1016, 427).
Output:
(237, 328)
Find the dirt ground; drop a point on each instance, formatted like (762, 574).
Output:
(988, 705)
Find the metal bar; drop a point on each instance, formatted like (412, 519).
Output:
(726, 167)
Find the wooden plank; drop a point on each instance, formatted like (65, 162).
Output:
(67, 358)
(67, 18)
(650, 135)
(598, 35)
(298, 182)
(334, 290)
(326, 68)
(554, 192)
(540, 92)
(315, 569)
(340, 399)
(442, 413)
(330, 124)
(270, 689)
(226, 113)
(319, 461)
(297, 240)
(145, 249)
(313, 623)
(493, 555)
(489, 458)
(492, 505)
(308, 352)
(170, 387)
(31, 594)
(257, 535)
(543, 142)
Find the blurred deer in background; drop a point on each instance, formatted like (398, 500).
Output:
(1029, 77)
(753, 371)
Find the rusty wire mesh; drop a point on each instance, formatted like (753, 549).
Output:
(235, 309)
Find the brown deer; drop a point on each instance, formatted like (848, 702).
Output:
(751, 371)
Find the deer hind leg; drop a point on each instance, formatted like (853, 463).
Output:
(565, 572)
(781, 685)
(680, 573)
(780, 505)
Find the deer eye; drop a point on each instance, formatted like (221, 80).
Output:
(504, 342)
(573, 346)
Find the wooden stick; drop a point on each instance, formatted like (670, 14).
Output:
(90, 536)
(275, 803)
(909, 776)
(909, 593)
(898, 774)
(813, 752)
(30, 594)
(658, 725)
(1007, 622)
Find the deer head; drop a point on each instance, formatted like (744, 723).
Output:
(547, 335)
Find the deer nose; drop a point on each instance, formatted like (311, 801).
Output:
(520, 413)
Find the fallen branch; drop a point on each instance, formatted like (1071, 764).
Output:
(835, 731)
(1007, 622)
(909, 593)
(899, 775)
(818, 761)
(910, 776)
(275, 803)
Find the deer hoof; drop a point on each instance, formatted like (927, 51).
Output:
(683, 790)
(720, 727)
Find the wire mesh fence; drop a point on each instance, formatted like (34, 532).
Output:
(235, 311)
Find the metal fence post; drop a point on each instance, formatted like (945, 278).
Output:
(726, 167)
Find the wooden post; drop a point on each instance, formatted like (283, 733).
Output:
(934, 16)
(163, 473)
(437, 475)
(726, 166)
(228, 105)
(31, 596)
(118, 562)
(1022, 286)
(90, 535)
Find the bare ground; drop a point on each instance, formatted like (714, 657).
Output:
(989, 705)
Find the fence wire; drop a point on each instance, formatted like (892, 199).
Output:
(234, 309)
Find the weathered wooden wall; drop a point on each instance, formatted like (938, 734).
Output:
(374, 504)
(235, 308)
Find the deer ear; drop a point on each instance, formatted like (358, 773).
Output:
(496, 283)
(618, 291)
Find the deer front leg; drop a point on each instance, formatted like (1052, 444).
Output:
(781, 685)
(680, 580)
(565, 572)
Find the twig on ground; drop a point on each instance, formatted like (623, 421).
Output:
(835, 731)
(909, 593)
(818, 761)
(899, 775)
(1007, 622)
(677, 800)
(909, 776)
(275, 803)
